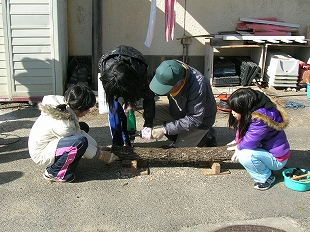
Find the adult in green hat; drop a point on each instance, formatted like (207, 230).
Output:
(188, 117)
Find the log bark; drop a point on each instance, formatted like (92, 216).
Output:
(170, 154)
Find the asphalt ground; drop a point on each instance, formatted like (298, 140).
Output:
(173, 197)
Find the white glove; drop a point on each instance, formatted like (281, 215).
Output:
(104, 154)
(233, 148)
(234, 158)
(231, 143)
(146, 133)
(158, 132)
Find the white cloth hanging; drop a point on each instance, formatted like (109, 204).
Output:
(151, 28)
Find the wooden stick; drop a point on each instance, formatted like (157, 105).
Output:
(304, 180)
(299, 177)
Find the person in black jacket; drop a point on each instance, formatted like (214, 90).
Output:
(124, 77)
(123, 74)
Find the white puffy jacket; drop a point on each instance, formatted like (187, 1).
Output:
(50, 127)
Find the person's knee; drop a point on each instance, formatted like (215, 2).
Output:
(82, 142)
(244, 156)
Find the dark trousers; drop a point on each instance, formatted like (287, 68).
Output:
(68, 155)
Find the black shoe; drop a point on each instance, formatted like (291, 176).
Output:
(209, 139)
(50, 177)
(266, 185)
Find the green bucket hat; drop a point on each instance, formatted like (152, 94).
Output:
(167, 74)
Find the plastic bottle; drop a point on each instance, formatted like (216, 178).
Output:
(131, 122)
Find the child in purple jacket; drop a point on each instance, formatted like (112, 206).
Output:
(261, 143)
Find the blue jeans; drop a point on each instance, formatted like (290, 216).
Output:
(259, 163)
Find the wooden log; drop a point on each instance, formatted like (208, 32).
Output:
(171, 154)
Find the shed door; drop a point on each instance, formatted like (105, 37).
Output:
(30, 53)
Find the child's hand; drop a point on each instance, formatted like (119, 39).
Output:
(234, 158)
(129, 107)
(233, 148)
(105, 154)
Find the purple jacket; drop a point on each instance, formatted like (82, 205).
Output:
(266, 131)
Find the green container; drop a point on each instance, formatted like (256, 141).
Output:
(131, 122)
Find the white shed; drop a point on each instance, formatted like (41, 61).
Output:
(33, 49)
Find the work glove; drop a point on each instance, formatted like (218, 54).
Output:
(105, 154)
(234, 158)
(231, 143)
(146, 133)
(158, 132)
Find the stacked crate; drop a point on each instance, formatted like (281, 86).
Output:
(282, 70)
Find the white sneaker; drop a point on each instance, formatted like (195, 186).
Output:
(50, 177)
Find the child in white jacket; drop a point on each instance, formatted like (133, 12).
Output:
(58, 140)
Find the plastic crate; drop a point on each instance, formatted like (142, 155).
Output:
(223, 67)
(226, 81)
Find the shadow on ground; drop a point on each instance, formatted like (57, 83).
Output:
(6, 177)
(93, 170)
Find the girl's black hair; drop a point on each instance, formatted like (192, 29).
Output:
(124, 79)
(244, 102)
(79, 97)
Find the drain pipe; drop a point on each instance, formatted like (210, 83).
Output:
(96, 40)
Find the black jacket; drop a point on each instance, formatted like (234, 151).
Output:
(139, 64)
